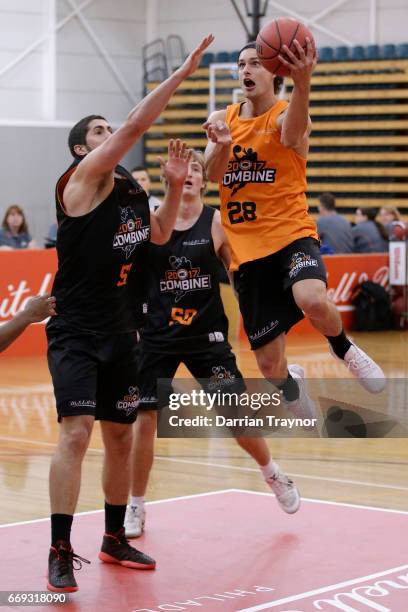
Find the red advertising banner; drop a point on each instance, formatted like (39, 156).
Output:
(24, 274)
(27, 273)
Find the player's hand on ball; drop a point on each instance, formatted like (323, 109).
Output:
(218, 132)
(175, 169)
(193, 60)
(40, 307)
(301, 64)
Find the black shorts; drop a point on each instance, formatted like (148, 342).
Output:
(213, 369)
(94, 374)
(264, 287)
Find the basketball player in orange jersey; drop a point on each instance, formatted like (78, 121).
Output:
(257, 151)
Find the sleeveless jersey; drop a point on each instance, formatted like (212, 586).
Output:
(263, 200)
(185, 311)
(99, 255)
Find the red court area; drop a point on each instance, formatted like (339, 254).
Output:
(228, 551)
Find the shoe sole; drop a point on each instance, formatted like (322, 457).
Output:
(132, 564)
(69, 589)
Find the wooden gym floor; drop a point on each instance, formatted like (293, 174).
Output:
(371, 472)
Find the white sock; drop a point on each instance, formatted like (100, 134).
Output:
(269, 470)
(137, 502)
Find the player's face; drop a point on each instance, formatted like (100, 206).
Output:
(254, 79)
(194, 181)
(99, 130)
(143, 179)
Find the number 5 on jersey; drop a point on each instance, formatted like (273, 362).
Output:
(123, 274)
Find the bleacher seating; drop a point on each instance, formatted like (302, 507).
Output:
(359, 109)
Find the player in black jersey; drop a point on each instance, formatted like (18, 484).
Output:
(104, 227)
(186, 323)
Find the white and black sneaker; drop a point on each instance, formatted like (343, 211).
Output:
(285, 491)
(134, 521)
(304, 407)
(361, 366)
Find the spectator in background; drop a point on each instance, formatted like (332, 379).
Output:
(388, 216)
(333, 229)
(50, 241)
(141, 175)
(369, 235)
(14, 233)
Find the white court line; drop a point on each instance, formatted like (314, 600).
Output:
(327, 502)
(332, 587)
(232, 467)
(149, 503)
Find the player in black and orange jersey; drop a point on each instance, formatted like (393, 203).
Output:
(104, 227)
(257, 151)
(186, 323)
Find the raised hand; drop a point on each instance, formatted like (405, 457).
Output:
(193, 60)
(218, 132)
(175, 169)
(302, 65)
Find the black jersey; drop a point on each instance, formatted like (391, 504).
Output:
(99, 254)
(185, 311)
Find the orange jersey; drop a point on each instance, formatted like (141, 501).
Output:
(263, 200)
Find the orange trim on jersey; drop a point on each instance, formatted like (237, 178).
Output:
(263, 192)
(62, 183)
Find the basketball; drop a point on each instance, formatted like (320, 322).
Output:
(274, 35)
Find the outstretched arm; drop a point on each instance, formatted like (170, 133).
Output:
(36, 309)
(218, 148)
(97, 167)
(174, 174)
(295, 122)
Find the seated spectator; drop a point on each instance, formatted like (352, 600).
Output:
(141, 175)
(51, 238)
(387, 216)
(333, 229)
(369, 235)
(14, 232)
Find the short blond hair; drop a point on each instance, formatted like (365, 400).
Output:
(198, 157)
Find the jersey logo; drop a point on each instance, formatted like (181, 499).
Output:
(221, 377)
(246, 168)
(130, 401)
(131, 232)
(183, 278)
(300, 261)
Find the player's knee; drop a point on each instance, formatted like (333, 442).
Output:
(270, 364)
(76, 440)
(146, 422)
(314, 305)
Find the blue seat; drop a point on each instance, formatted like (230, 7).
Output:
(341, 54)
(357, 53)
(326, 54)
(373, 52)
(222, 57)
(402, 51)
(206, 60)
(233, 56)
(388, 51)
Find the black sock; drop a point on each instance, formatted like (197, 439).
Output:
(340, 344)
(114, 517)
(289, 388)
(61, 527)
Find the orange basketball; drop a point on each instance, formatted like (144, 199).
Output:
(274, 35)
